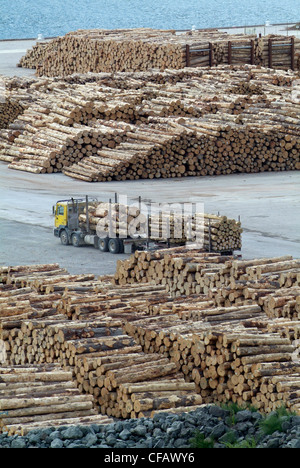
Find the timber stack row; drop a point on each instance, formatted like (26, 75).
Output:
(208, 273)
(181, 271)
(230, 355)
(9, 111)
(45, 335)
(34, 55)
(97, 51)
(179, 352)
(39, 396)
(242, 352)
(157, 125)
(15, 98)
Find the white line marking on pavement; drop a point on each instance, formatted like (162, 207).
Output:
(14, 51)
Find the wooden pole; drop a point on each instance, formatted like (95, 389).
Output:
(252, 52)
(292, 53)
(211, 54)
(229, 52)
(188, 56)
(270, 53)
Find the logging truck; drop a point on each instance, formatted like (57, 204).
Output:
(75, 225)
(71, 232)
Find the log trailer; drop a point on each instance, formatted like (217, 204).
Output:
(71, 231)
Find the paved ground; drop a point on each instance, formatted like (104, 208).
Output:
(268, 204)
(265, 29)
(25, 244)
(10, 54)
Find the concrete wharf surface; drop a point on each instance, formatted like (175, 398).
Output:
(10, 54)
(268, 204)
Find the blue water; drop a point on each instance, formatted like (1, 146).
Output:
(28, 18)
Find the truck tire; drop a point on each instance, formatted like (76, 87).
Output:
(76, 240)
(114, 245)
(121, 246)
(64, 238)
(103, 244)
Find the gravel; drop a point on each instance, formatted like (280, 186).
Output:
(214, 426)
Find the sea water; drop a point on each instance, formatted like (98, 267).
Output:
(28, 18)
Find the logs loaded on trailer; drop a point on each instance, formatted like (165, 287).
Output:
(161, 225)
(97, 51)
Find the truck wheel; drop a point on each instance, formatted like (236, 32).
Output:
(64, 238)
(114, 246)
(103, 244)
(121, 246)
(76, 241)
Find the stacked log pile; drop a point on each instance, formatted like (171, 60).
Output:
(224, 353)
(164, 125)
(107, 299)
(99, 51)
(161, 385)
(276, 356)
(104, 367)
(14, 99)
(236, 352)
(120, 50)
(52, 338)
(127, 161)
(38, 396)
(54, 133)
(70, 127)
(182, 270)
(39, 276)
(94, 337)
(280, 55)
(179, 341)
(177, 352)
(9, 111)
(186, 147)
(16, 95)
(226, 279)
(33, 56)
(254, 280)
(99, 351)
(58, 147)
(33, 293)
(283, 303)
(149, 398)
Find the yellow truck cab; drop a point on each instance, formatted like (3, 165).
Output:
(61, 214)
(71, 232)
(67, 228)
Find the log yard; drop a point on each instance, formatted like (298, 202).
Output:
(150, 237)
